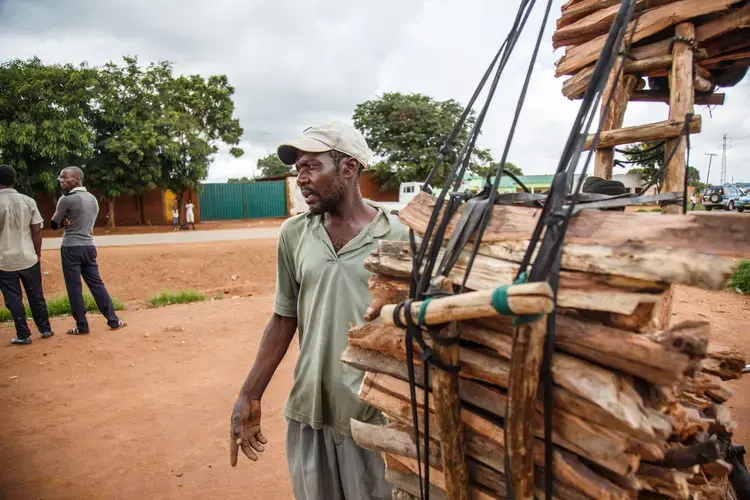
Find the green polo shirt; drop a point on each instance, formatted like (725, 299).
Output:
(327, 292)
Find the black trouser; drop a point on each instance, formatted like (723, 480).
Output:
(80, 262)
(10, 284)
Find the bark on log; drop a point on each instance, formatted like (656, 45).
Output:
(613, 117)
(650, 23)
(734, 19)
(525, 299)
(689, 338)
(717, 469)
(384, 290)
(659, 96)
(725, 363)
(682, 90)
(667, 482)
(715, 233)
(525, 364)
(641, 133)
(684, 457)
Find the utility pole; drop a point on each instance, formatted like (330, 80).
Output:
(724, 160)
(708, 175)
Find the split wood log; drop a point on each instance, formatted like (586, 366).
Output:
(525, 299)
(577, 290)
(617, 349)
(722, 424)
(682, 90)
(642, 133)
(406, 485)
(590, 441)
(732, 20)
(448, 412)
(715, 233)
(484, 439)
(660, 96)
(525, 364)
(437, 478)
(667, 482)
(725, 363)
(684, 457)
(580, 10)
(689, 338)
(595, 24)
(648, 24)
(612, 116)
(492, 400)
(614, 394)
(384, 290)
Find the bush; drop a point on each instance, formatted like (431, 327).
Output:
(656, 209)
(166, 298)
(740, 281)
(60, 306)
(643, 210)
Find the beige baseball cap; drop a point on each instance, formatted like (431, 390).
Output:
(327, 136)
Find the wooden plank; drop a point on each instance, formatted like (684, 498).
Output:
(575, 12)
(650, 23)
(716, 99)
(715, 233)
(525, 364)
(682, 90)
(643, 133)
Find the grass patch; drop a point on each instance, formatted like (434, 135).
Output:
(656, 210)
(643, 210)
(740, 281)
(60, 306)
(167, 297)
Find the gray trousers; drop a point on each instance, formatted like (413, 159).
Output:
(327, 465)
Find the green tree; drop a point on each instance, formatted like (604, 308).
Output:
(234, 180)
(483, 170)
(694, 179)
(407, 132)
(271, 166)
(648, 160)
(43, 119)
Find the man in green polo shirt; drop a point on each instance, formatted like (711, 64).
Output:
(321, 288)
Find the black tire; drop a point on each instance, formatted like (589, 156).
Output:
(708, 209)
(715, 198)
(740, 210)
(730, 206)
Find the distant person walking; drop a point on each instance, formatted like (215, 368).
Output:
(76, 212)
(20, 258)
(176, 219)
(190, 213)
(692, 201)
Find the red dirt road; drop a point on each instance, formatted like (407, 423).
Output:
(143, 413)
(118, 415)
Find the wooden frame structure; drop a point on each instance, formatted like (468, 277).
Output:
(685, 48)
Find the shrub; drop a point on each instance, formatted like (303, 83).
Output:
(60, 306)
(740, 281)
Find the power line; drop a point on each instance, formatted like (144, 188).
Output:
(724, 159)
(708, 175)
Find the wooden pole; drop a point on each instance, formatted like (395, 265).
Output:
(448, 412)
(623, 86)
(682, 92)
(524, 382)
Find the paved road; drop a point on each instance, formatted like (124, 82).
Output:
(258, 233)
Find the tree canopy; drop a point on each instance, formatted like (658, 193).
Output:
(129, 127)
(406, 131)
(647, 159)
(271, 166)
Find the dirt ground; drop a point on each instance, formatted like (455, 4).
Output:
(165, 228)
(143, 412)
(138, 272)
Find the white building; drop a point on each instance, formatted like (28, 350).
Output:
(634, 183)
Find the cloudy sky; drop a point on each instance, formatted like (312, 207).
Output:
(295, 62)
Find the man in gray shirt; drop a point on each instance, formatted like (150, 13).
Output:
(77, 211)
(20, 254)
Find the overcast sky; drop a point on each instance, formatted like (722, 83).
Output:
(296, 62)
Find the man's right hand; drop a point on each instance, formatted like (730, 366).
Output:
(244, 430)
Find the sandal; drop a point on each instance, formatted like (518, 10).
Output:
(120, 326)
(76, 331)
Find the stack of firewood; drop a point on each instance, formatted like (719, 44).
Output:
(639, 405)
(721, 36)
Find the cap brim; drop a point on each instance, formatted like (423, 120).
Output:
(288, 151)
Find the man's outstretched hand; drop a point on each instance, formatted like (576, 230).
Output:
(244, 430)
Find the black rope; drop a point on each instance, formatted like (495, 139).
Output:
(647, 150)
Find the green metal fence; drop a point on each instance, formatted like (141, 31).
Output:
(243, 200)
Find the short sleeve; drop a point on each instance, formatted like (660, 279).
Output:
(287, 288)
(36, 217)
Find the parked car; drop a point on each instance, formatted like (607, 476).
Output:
(743, 203)
(725, 197)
